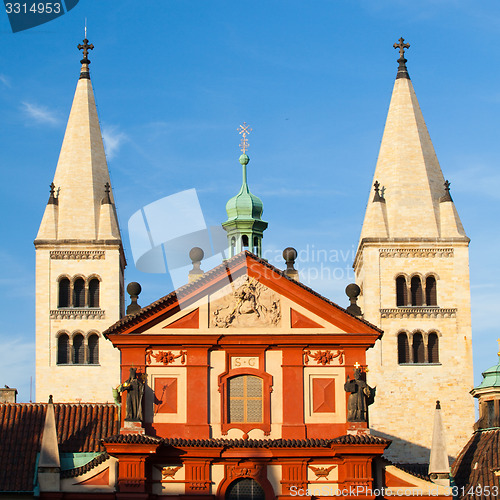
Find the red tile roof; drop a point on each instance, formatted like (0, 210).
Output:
(80, 427)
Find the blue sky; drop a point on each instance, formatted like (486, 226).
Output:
(174, 79)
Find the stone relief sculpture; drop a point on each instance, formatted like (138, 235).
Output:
(251, 304)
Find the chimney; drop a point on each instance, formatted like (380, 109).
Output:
(8, 395)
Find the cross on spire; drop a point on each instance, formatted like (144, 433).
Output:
(447, 195)
(401, 46)
(244, 130)
(377, 196)
(85, 47)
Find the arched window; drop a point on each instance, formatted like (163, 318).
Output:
(401, 292)
(244, 241)
(78, 350)
(93, 343)
(63, 349)
(255, 245)
(416, 291)
(245, 399)
(79, 293)
(245, 489)
(63, 293)
(430, 291)
(94, 293)
(418, 348)
(403, 349)
(433, 348)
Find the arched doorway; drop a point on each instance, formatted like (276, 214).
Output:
(245, 489)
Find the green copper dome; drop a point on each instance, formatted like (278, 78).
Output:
(491, 377)
(245, 205)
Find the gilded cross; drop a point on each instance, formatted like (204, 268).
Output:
(402, 46)
(85, 47)
(244, 130)
(356, 365)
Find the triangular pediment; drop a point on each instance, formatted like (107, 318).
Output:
(243, 295)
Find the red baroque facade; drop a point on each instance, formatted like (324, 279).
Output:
(244, 374)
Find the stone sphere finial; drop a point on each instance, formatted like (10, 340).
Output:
(352, 290)
(244, 159)
(133, 289)
(196, 254)
(290, 254)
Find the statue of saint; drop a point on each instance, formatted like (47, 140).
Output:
(362, 395)
(135, 391)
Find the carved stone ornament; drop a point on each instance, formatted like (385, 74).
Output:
(324, 357)
(245, 470)
(418, 312)
(165, 357)
(416, 252)
(77, 254)
(250, 305)
(169, 472)
(73, 313)
(322, 472)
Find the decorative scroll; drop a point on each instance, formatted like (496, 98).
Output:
(416, 252)
(165, 357)
(251, 304)
(77, 254)
(324, 357)
(322, 472)
(169, 472)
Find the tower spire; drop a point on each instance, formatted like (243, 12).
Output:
(244, 225)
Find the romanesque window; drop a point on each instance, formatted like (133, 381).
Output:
(62, 349)
(245, 399)
(245, 489)
(403, 348)
(244, 241)
(64, 292)
(416, 291)
(430, 291)
(94, 292)
(418, 347)
(79, 293)
(401, 292)
(78, 349)
(433, 348)
(93, 349)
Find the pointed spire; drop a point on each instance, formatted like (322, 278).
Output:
(409, 174)
(82, 170)
(49, 463)
(439, 466)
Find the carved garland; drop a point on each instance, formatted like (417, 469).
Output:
(165, 357)
(324, 357)
(77, 254)
(416, 252)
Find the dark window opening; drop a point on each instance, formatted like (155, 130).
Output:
(245, 489)
(94, 293)
(79, 293)
(433, 348)
(403, 349)
(416, 291)
(418, 348)
(63, 293)
(78, 350)
(244, 241)
(93, 350)
(430, 291)
(401, 292)
(63, 349)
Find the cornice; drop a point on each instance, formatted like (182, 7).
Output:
(418, 312)
(77, 313)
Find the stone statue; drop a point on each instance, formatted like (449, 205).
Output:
(135, 391)
(362, 395)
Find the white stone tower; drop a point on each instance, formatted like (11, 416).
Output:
(412, 265)
(79, 264)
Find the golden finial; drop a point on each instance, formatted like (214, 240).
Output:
(244, 130)
(498, 340)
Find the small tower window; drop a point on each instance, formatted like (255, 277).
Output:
(63, 293)
(418, 348)
(430, 291)
(63, 349)
(416, 291)
(403, 349)
(78, 350)
(401, 292)
(244, 241)
(255, 245)
(433, 348)
(93, 344)
(94, 293)
(79, 293)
